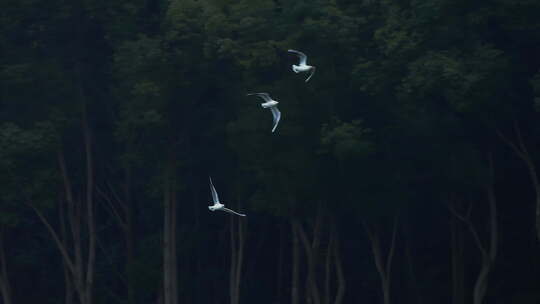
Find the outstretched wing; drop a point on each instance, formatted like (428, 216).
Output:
(277, 116)
(312, 72)
(215, 197)
(264, 96)
(230, 211)
(303, 57)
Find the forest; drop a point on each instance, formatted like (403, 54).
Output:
(405, 171)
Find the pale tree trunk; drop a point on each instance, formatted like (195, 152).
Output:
(458, 267)
(411, 273)
(312, 249)
(295, 262)
(237, 233)
(522, 152)
(121, 208)
(234, 259)
(128, 235)
(90, 209)
(327, 269)
(170, 281)
(339, 269)
(383, 268)
(279, 283)
(333, 259)
(333, 265)
(174, 263)
(166, 243)
(5, 286)
(171, 272)
(488, 252)
(68, 293)
(81, 275)
(240, 256)
(73, 268)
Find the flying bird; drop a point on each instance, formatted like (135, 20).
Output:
(270, 104)
(217, 205)
(302, 66)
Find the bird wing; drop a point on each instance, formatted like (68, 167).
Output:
(303, 57)
(264, 96)
(230, 211)
(277, 116)
(312, 72)
(215, 197)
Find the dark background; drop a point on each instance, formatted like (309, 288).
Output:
(415, 144)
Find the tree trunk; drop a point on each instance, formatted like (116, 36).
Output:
(237, 258)
(75, 222)
(167, 240)
(130, 259)
(170, 277)
(240, 259)
(6, 292)
(315, 255)
(68, 293)
(128, 235)
(295, 262)
(5, 286)
(383, 268)
(412, 278)
(339, 269)
(90, 209)
(172, 234)
(279, 283)
(341, 277)
(488, 253)
(121, 209)
(480, 286)
(522, 152)
(232, 271)
(312, 290)
(170, 271)
(458, 271)
(74, 211)
(327, 269)
(76, 269)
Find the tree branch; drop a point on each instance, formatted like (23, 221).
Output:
(61, 246)
(470, 226)
(392, 247)
(113, 209)
(507, 141)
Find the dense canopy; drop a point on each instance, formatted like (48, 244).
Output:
(404, 171)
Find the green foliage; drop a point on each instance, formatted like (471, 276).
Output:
(346, 140)
(15, 141)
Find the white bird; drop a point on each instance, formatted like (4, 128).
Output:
(302, 66)
(217, 205)
(270, 104)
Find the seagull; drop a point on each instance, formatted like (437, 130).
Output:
(217, 205)
(270, 104)
(302, 67)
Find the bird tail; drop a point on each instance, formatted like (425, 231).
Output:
(312, 72)
(233, 212)
(275, 126)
